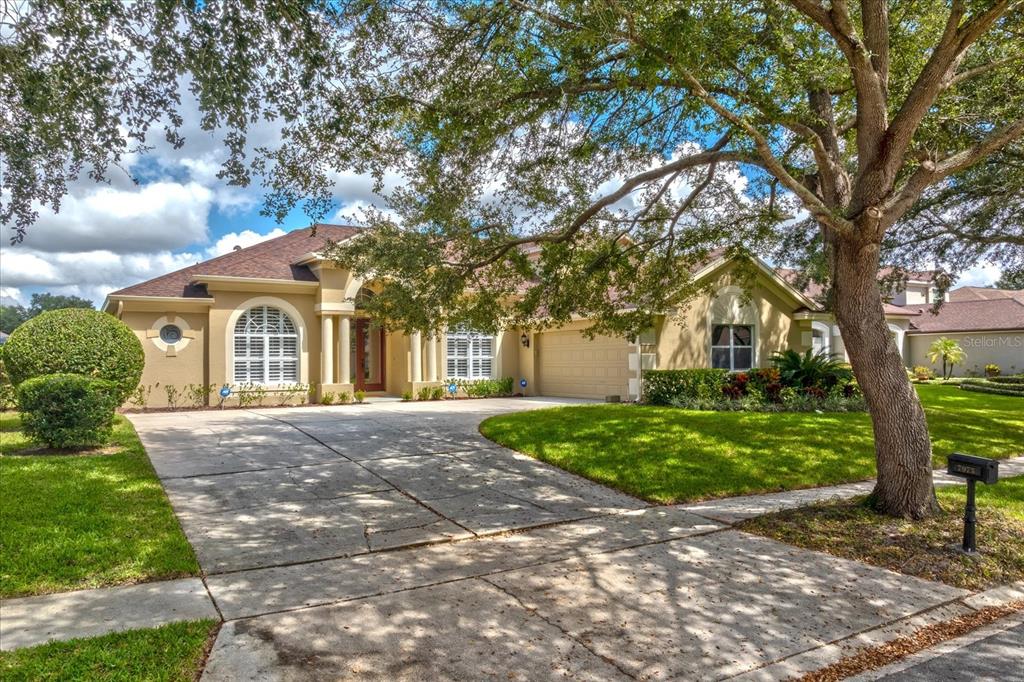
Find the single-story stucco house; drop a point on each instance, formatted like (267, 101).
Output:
(277, 314)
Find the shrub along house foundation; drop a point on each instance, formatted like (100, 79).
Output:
(277, 314)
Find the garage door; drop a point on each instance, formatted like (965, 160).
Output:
(571, 365)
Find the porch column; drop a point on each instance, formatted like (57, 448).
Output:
(432, 357)
(326, 350)
(344, 349)
(416, 351)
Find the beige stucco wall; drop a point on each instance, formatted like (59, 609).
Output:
(684, 338)
(1005, 349)
(229, 305)
(188, 363)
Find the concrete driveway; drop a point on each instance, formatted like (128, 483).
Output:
(373, 542)
(282, 486)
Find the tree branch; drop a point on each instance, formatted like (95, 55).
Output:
(711, 156)
(930, 172)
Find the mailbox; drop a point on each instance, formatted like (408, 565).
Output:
(973, 468)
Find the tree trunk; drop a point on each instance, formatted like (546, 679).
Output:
(903, 450)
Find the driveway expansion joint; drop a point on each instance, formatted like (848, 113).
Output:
(565, 633)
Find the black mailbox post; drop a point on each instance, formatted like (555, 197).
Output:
(973, 469)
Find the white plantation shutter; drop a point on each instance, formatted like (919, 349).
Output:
(470, 354)
(266, 345)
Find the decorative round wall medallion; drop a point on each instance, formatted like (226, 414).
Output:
(170, 334)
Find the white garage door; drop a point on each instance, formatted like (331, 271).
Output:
(572, 366)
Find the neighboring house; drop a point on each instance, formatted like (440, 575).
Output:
(265, 315)
(987, 323)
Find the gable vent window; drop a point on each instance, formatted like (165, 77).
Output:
(266, 347)
(469, 355)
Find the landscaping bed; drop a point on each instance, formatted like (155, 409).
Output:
(925, 549)
(73, 520)
(670, 455)
(171, 653)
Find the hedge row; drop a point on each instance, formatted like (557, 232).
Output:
(997, 388)
(1013, 379)
(666, 386)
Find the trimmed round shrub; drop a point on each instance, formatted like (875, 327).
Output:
(67, 410)
(76, 341)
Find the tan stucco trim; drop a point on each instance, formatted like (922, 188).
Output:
(297, 318)
(335, 308)
(258, 284)
(156, 303)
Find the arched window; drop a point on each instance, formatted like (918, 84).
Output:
(266, 347)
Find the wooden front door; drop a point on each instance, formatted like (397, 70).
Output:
(368, 368)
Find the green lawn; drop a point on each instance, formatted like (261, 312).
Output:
(171, 653)
(926, 549)
(668, 455)
(70, 522)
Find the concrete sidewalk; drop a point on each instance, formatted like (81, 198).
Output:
(29, 621)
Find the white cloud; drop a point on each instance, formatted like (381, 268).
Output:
(12, 296)
(983, 274)
(94, 274)
(160, 215)
(245, 238)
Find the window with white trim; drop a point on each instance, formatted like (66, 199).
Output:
(732, 346)
(266, 347)
(469, 354)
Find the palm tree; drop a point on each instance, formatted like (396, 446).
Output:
(950, 352)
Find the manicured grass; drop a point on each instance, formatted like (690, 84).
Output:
(926, 549)
(70, 521)
(171, 653)
(668, 455)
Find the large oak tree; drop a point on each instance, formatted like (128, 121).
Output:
(562, 157)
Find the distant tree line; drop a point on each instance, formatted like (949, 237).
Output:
(13, 315)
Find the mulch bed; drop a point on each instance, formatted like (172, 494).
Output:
(928, 636)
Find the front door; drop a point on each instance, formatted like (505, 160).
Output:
(368, 362)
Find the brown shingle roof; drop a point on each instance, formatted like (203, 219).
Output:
(971, 316)
(983, 294)
(271, 259)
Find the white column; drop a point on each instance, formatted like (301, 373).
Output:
(326, 350)
(432, 358)
(344, 349)
(416, 351)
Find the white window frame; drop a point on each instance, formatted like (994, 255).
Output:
(826, 336)
(732, 346)
(478, 354)
(287, 365)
